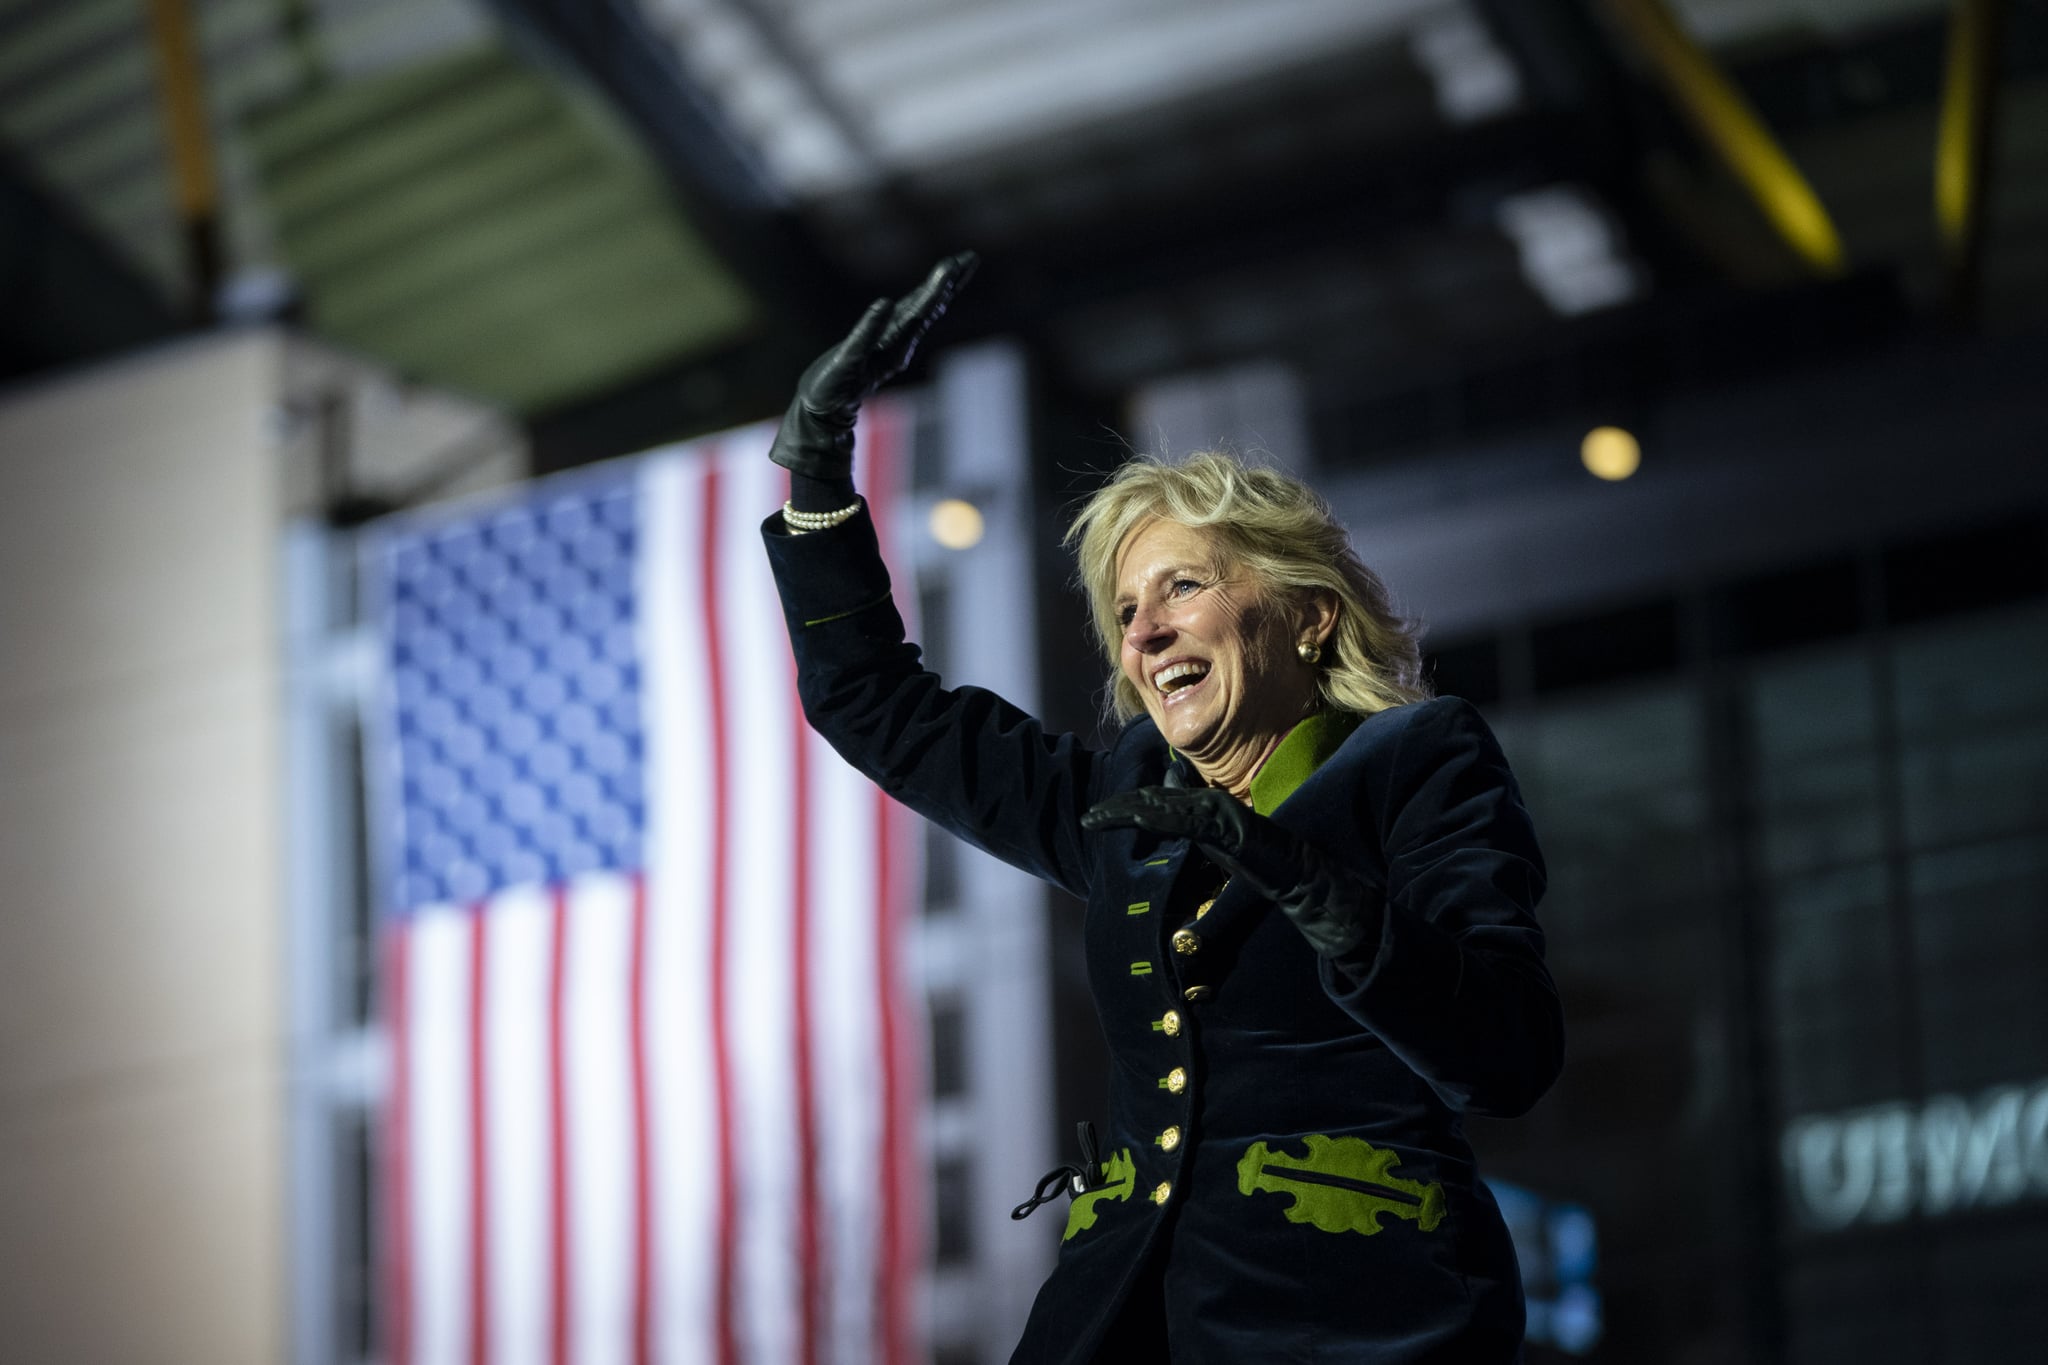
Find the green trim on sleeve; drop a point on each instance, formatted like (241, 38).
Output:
(851, 611)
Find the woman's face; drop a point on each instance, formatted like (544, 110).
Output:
(1212, 657)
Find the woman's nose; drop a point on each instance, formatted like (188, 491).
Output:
(1147, 630)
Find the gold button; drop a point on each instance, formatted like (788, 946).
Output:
(1169, 1023)
(1162, 1191)
(1177, 1080)
(1185, 942)
(1195, 995)
(1170, 1139)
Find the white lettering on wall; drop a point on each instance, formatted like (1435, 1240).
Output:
(1880, 1164)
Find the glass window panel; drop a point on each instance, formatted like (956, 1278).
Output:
(1813, 724)
(1991, 1299)
(952, 1188)
(1818, 813)
(1833, 992)
(1814, 704)
(1972, 787)
(949, 1047)
(941, 869)
(1614, 785)
(1863, 1304)
(1974, 673)
(1980, 923)
(1973, 716)
(1644, 1027)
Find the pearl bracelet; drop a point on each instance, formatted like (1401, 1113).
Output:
(800, 522)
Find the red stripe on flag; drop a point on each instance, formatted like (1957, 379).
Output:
(724, 1285)
(809, 1283)
(398, 1150)
(643, 1167)
(479, 1148)
(558, 1133)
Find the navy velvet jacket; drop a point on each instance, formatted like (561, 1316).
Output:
(1283, 1132)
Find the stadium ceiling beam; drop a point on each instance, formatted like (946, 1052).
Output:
(188, 138)
(1568, 66)
(1718, 111)
(908, 218)
(1962, 153)
(1405, 185)
(723, 185)
(1558, 50)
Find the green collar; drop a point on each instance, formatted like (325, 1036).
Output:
(1307, 747)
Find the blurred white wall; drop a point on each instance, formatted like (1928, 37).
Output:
(143, 1197)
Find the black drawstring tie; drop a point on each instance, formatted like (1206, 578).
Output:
(1073, 1179)
(1069, 1177)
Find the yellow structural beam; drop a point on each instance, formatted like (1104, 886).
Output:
(182, 87)
(1719, 113)
(1963, 143)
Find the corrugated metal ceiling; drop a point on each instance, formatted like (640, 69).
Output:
(1168, 181)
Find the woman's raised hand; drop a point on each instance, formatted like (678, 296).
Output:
(816, 436)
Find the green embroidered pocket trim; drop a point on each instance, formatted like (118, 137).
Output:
(1137, 907)
(1141, 969)
(1121, 1174)
(1342, 1185)
(1159, 862)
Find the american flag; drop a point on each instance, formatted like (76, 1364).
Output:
(654, 1080)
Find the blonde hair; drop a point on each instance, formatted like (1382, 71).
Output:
(1279, 531)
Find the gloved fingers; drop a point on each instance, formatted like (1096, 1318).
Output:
(1202, 814)
(921, 307)
(862, 339)
(834, 385)
(1146, 808)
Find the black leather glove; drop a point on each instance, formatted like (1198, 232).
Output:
(816, 436)
(1335, 909)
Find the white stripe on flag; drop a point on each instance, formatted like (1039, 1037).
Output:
(438, 1008)
(597, 1056)
(516, 1100)
(679, 825)
(847, 1074)
(759, 693)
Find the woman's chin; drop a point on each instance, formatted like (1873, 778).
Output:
(1187, 731)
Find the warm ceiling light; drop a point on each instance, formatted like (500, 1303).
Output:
(956, 524)
(1610, 453)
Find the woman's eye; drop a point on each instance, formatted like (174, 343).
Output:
(1183, 586)
(1126, 615)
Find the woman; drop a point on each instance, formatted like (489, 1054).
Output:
(1284, 1176)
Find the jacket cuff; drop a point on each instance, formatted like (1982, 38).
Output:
(827, 575)
(1412, 972)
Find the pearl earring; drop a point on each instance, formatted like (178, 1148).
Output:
(1311, 653)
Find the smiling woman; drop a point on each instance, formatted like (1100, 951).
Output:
(1210, 537)
(1282, 536)
(1208, 652)
(1311, 888)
